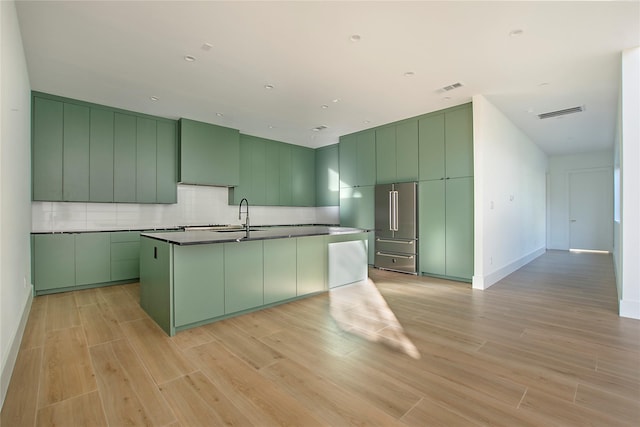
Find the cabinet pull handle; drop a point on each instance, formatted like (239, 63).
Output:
(155, 252)
(394, 256)
(410, 242)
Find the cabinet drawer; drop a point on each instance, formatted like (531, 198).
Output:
(125, 269)
(125, 236)
(125, 250)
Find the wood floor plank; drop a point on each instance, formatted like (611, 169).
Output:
(120, 401)
(87, 297)
(192, 338)
(36, 326)
(20, 405)
(99, 324)
(62, 311)
(625, 409)
(66, 366)
(122, 304)
(197, 402)
(158, 353)
(429, 413)
(81, 411)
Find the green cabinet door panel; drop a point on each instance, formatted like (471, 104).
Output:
(156, 293)
(432, 227)
(244, 187)
(258, 171)
(209, 154)
(166, 162)
(124, 158)
(431, 147)
(285, 172)
(459, 227)
(407, 151)
(327, 176)
(311, 264)
(348, 154)
(47, 149)
(279, 270)
(199, 272)
(303, 172)
(243, 276)
(93, 258)
(101, 156)
(125, 255)
(386, 155)
(272, 173)
(459, 142)
(54, 261)
(145, 160)
(366, 158)
(76, 134)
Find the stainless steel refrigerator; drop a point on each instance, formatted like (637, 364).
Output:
(396, 245)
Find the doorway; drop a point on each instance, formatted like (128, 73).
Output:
(591, 209)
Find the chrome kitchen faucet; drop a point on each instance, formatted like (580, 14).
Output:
(246, 220)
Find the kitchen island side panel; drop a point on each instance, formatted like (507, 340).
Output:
(156, 290)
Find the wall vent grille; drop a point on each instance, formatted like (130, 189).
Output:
(559, 113)
(452, 87)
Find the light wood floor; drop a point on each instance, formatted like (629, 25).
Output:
(543, 347)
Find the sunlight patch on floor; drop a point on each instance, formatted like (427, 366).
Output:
(360, 309)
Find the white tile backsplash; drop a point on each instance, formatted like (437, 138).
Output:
(197, 205)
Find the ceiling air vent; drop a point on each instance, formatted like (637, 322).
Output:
(319, 128)
(561, 112)
(452, 87)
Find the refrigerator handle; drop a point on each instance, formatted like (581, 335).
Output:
(391, 211)
(395, 211)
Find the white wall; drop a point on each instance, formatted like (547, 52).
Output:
(510, 196)
(628, 267)
(197, 205)
(558, 197)
(15, 180)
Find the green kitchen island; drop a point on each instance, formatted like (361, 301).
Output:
(191, 278)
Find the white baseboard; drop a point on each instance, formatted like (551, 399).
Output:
(484, 282)
(629, 309)
(14, 347)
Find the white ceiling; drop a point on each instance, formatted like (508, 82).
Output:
(122, 53)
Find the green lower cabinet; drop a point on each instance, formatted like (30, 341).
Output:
(199, 269)
(432, 239)
(357, 210)
(53, 261)
(311, 264)
(156, 296)
(279, 270)
(92, 258)
(243, 276)
(125, 255)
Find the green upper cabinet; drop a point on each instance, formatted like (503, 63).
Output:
(101, 156)
(257, 164)
(146, 136)
(407, 151)
(76, 136)
(303, 176)
(46, 165)
(446, 144)
(327, 176)
(272, 173)
(284, 172)
(85, 152)
(358, 159)
(209, 154)
(386, 154)
(166, 162)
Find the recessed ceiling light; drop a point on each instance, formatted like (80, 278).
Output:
(366, 122)
(271, 126)
(189, 58)
(517, 32)
(154, 98)
(543, 84)
(269, 87)
(446, 98)
(207, 47)
(219, 114)
(409, 74)
(335, 100)
(319, 128)
(324, 106)
(355, 37)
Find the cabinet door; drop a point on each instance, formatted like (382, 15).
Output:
(407, 151)
(459, 227)
(286, 183)
(101, 156)
(386, 155)
(53, 261)
(47, 149)
(198, 274)
(93, 258)
(279, 270)
(124, 158)
(431, 147)
(459, 142)
(243, 276)
(348, 154)
(432, 227)
(272, 173)
(327, 176)
(258, 166)
(166, 161)
(311, 262)
(357, 209)
(366, 158)
(75, 177)
(125, 255)
(244, 187)
(303, 171)
(146, 136)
